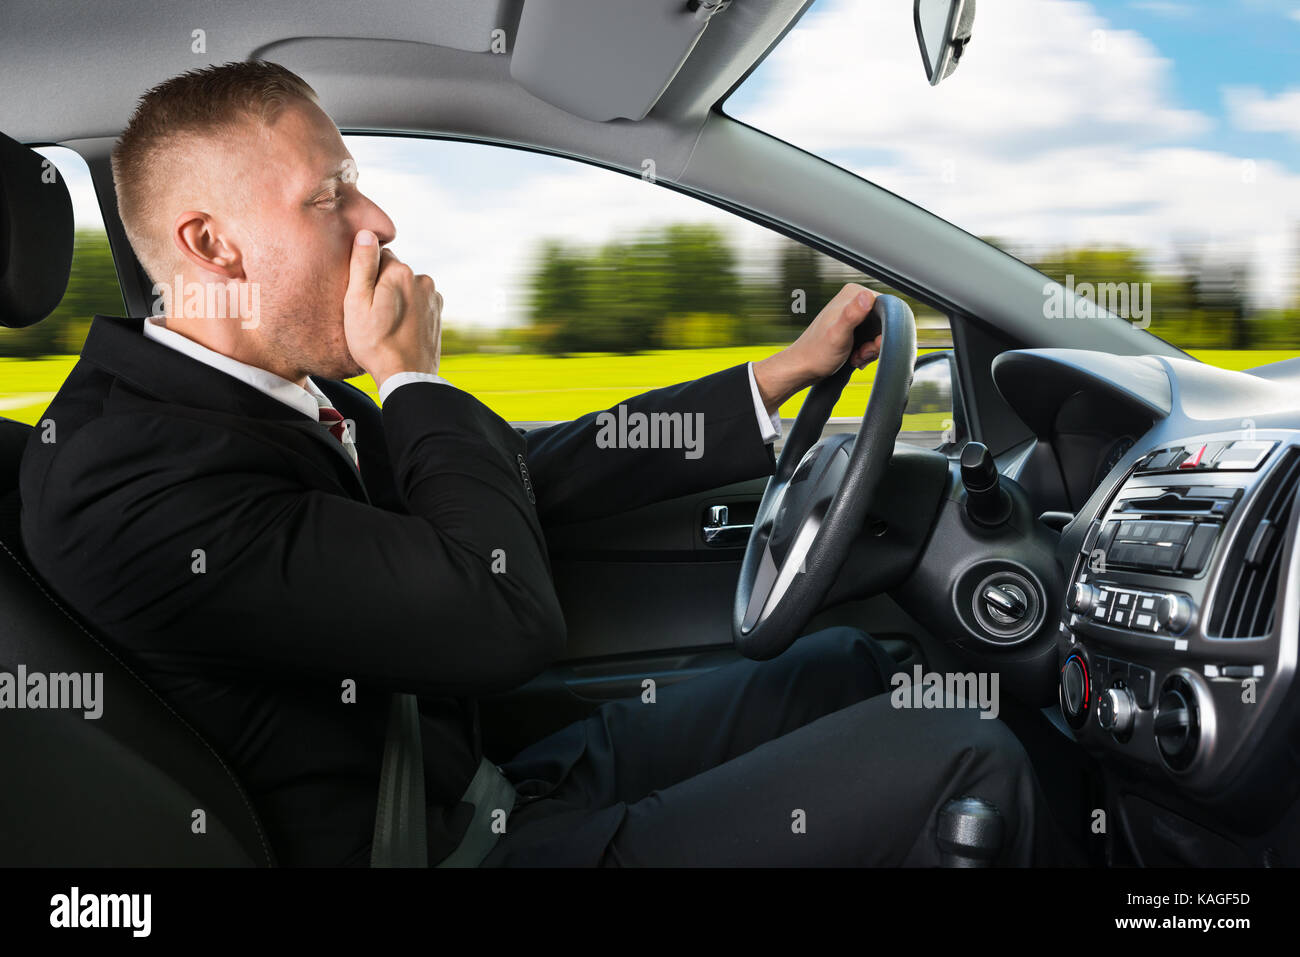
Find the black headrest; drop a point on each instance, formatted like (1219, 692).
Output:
(35, 235)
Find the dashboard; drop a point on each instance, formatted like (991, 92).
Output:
(1177, 636)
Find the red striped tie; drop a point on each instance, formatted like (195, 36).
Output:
(339, 429)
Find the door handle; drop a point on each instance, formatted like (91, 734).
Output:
(719, 534)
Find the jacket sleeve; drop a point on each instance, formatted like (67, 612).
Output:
(239, 568)
(598, 465)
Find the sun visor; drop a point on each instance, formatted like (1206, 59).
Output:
(606, 59)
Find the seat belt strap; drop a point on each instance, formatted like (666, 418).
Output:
(490, 791)
(400, 822)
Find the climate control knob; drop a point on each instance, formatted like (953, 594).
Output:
(1075, 693)
(1115, 711)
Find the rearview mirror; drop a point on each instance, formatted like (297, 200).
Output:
(943, 29)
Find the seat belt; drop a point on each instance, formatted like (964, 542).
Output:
(489, 791)
(399, 839)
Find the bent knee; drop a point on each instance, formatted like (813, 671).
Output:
(847, 651)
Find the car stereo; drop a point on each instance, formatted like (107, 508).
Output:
(1177, 601)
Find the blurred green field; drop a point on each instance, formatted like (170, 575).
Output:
(524, 388)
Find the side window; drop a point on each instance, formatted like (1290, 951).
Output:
(567, 287)
(35, 361)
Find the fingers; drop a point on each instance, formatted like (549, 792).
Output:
(857, 308)
(867, 352)
(860, 302)
(364, 269)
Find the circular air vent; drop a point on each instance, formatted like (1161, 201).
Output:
(1178, 722)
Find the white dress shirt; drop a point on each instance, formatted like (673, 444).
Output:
(309, 401)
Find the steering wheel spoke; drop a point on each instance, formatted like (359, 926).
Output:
(775, 576)
(820, 492)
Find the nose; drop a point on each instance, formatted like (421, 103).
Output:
(376, 220)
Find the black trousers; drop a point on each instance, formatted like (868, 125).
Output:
(800, 760)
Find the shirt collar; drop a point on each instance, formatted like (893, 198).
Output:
(308, 401)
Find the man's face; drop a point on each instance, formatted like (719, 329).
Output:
(298, 212)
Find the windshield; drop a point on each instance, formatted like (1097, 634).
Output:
(1130, 142)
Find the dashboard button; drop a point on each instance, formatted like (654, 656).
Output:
(1198, 549)
(1098, 675)
(1107, 536)
(1166, 556)
(1148, 603)
(1123, 599)
(1140, 682)
(1238, 671)
(1145, 621)
(1244, 455)
(1194, 455)
(1120, 617)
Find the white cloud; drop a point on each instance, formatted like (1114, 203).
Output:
(1057, 128)
(1250, 108)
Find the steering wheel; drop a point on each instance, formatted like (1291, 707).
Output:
(818, 497)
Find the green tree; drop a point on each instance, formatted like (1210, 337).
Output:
(92, 288)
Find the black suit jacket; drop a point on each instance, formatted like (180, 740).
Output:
(226, 545)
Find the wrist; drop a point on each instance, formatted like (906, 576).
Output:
(382, 373)
(778, 379)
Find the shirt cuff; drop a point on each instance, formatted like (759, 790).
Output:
(396, 381)
(768, 425)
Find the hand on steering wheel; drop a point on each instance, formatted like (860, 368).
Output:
(819, 495)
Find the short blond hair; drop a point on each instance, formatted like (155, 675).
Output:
(191, 106)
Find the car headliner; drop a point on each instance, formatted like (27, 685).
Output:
(75, 70)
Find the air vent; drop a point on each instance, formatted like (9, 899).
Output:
(1247, 592)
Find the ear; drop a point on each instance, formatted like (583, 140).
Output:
(198, 238)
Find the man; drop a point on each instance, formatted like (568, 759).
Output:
(277, 556)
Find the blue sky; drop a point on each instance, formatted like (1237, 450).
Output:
(1218, 45)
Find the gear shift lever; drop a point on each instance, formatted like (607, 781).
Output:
(970, 833)
(987, 503)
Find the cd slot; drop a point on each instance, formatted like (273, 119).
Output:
(1203, 501)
